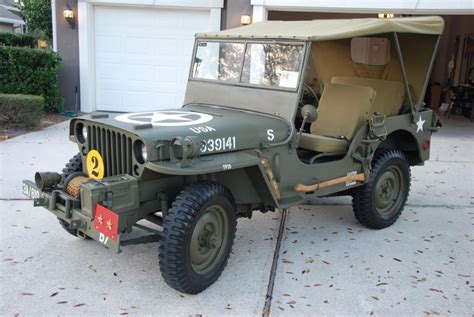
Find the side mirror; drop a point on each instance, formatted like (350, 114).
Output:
(309, 113)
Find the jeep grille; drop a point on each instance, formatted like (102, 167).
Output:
(114, 147)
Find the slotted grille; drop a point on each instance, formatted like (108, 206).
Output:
(114, 147)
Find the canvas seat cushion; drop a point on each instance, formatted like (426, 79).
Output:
(319, 143)
(389, 95)
(342, 110)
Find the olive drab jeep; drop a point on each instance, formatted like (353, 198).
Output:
(274, 113)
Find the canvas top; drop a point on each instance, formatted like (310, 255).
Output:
(322, 30)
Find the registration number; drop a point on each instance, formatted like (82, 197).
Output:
(219, 144)
(30, 191)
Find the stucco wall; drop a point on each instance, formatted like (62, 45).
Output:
(233, 10)
(6, 27)
(68, 48)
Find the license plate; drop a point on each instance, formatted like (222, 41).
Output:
(106, 222)
(30, 191)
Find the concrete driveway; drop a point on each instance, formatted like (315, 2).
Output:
(328, 263)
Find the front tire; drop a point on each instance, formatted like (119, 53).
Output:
(198, 233)
(379, 203)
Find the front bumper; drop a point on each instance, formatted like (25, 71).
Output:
(118, 194)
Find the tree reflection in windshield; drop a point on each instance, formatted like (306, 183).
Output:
(267, 64)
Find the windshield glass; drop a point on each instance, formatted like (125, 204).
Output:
(263, 64)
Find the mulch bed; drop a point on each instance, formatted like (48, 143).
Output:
(8, 132)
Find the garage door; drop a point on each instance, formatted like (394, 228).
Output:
(142, 56)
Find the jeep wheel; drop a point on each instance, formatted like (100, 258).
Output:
(379, 203)
(198, 233)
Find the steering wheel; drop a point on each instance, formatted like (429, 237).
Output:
(309, 96)
(310, 91)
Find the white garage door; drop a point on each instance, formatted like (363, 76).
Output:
(142, 56)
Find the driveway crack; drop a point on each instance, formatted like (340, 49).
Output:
(276, 255)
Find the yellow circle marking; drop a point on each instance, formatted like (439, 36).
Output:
(95, 165)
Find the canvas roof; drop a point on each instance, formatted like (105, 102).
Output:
(321, 30)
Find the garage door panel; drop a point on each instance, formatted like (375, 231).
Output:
(166, 75)
(109, 99)
(142, 56)
(108, 71)
(138, 45)
(139, 99)
(108, 43)
(138, 73)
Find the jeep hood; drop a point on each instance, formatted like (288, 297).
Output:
(219, 129)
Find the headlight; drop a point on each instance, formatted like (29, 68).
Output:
(140, 151)
(84, 133)
(144, 152)
(81, 133)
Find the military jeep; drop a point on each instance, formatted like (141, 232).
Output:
(274, 113)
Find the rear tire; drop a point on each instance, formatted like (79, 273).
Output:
(198, 233)
(379, 203)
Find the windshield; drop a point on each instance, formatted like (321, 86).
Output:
(264, 64)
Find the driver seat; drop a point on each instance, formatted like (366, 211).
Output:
(343, 109)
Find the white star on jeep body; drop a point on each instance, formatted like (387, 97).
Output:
(160, 116)
(419, 124)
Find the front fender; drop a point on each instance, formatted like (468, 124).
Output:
(227, 166)
(206, 165)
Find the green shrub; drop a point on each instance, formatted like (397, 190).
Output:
(32, 72)
(18, 39)
(21, 110)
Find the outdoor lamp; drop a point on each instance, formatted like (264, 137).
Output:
(245, 20)
(386, 15)
(69, 16)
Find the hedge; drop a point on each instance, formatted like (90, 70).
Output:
(32, 72)
(20, 110)
(18, 39)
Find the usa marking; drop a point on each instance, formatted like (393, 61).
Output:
(202, 129)
(226, 167)
(219, 144)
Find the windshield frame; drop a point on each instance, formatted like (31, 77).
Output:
(301, 69)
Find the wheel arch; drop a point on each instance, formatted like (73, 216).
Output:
(406, 142)
(248, 185)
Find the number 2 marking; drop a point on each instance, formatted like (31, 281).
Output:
(95, 161)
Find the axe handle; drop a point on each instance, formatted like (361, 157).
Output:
(311, 188)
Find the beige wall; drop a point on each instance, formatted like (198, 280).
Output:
(232, 12)
(6, 27)
(68, 49)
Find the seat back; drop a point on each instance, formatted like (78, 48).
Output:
(389, 94)
(343, 109)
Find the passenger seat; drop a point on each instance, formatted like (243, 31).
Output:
(389, 94)
(343, 109)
